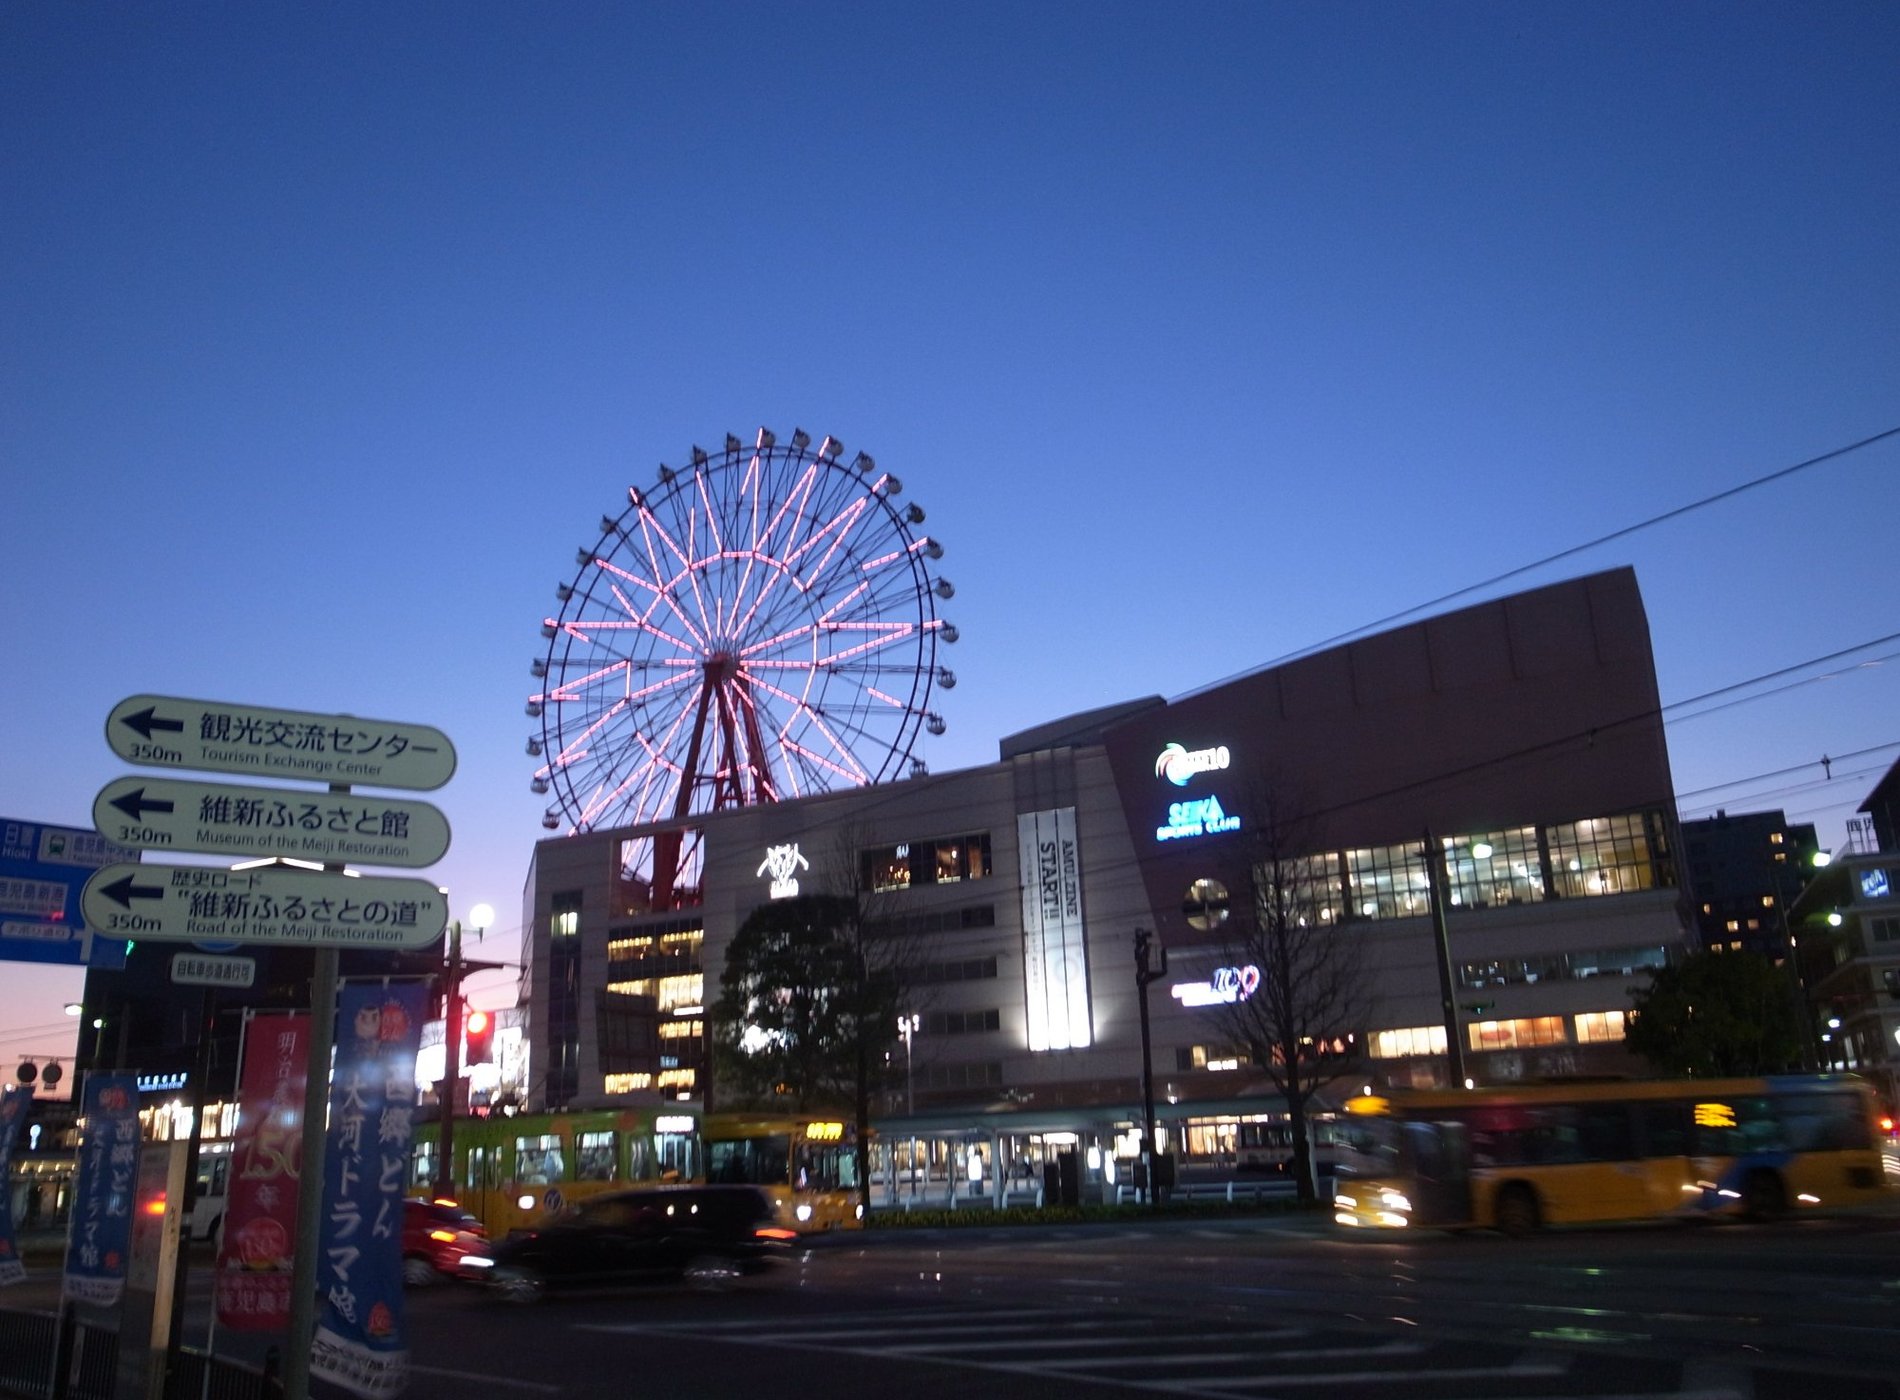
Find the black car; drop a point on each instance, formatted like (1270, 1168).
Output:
(707, 1235)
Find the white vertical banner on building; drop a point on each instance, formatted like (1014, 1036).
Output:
(1055, 943)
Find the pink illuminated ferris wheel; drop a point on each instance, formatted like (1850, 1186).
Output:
(760, 624)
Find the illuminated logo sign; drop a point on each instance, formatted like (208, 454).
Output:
(1177, 764)
(1203, 816)
(784, 863)
(1874, 884)
(161, 1083)
(825, 1132)
(1227, 986)
(673, 1123)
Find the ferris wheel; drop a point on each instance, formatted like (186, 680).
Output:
(759, 624)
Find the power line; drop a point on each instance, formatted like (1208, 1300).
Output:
(1797, 768)
(1522, 569)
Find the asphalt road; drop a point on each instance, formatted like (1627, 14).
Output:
(1216, 1309)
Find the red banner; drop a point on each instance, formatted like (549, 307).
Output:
(260, 1219)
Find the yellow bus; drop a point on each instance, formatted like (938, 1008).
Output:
(515, 1172)
(807, 1164)
(1518, 1158)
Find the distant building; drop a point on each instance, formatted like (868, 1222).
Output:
(1743, 871)
(1524, 734)
(1847, 929)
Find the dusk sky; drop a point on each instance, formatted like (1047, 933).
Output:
(1204, 333)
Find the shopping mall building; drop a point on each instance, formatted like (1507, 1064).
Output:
(1519, 742)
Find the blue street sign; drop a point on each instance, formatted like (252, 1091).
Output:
(42, 871)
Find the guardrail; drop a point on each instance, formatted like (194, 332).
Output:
(30, 1346)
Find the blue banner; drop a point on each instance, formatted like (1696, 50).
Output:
(42, 871)
(359, 1342)
(13, 1105)
(101, 1234)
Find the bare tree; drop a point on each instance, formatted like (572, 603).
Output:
(1302, 1022)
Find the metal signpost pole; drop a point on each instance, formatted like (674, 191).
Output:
(1454, 1044)
(1143, 976)
(451, 1066)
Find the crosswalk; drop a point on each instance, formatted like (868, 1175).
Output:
(1083, 1344)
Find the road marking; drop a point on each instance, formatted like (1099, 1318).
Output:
(485, 1378)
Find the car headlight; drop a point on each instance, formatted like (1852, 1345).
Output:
(804, 1210)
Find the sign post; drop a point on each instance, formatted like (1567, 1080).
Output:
(274, 904)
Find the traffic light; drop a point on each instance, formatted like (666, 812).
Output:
(478, 1037)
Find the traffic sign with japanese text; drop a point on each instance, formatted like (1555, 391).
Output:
(270, 904)
(211, 970)
(227, 819)
(42, 870)
(216, 737)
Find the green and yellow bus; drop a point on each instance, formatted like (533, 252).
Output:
(514, 1172)
(1518, 1158)
(807, 1164)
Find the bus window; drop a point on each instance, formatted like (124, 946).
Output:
(479, 1168)
(754, 1161)
(1826, 1123)
(595, 1157)
(1665, 1128)
(1603, 1132)
(538, 1161)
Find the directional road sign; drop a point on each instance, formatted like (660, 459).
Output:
(216, 737)
(42, 870)
(266, 904)
(226, 819)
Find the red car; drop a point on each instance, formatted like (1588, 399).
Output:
(436, 1236)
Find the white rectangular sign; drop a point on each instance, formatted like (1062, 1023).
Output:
(226, 819)
(1055, 940)
(212, 970)
(217, 737)
(267, 904)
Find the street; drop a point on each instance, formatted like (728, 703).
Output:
(1247, 1307)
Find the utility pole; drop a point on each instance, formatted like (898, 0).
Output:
(1447, 992)
(1143, 976)
(451, 1065)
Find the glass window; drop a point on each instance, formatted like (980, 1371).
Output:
(1599, 1027)
(480, 1168)
(1414, 1040)
(1665, 1129)
(1520, 1034)
(1387, 882)
(596, 1160)
(1494, 868)
(539, 1161)
(1206, 904)
(1602, 855)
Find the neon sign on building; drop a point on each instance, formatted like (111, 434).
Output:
(1178, 764)
(1201, 816)
(1227, 986)
(784, 863)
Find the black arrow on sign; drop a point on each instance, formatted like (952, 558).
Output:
(123, 892)
(146, 720)
(135, 805)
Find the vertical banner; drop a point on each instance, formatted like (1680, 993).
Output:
(1055, 946)
(101, 1233)
(255, 1256)
(13, 1105)
(359, 1341)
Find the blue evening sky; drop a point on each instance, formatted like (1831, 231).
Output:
(1203, 332)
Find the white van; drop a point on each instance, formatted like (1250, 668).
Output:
(213, 1190)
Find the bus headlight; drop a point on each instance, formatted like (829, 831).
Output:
(804, 1210)
(1394, 1200)
(525, 1202)
(1345, 1203)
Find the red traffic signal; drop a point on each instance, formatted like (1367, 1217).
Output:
(478, 1037)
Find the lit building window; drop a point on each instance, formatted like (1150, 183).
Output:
(1599, 1027)
(1523, 1034)
(1494, 868)
(628, 1083)
(1413, 1040)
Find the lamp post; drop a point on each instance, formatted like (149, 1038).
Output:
(1144, 974)
(479, 918)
